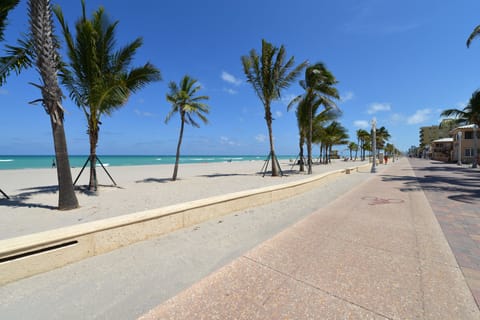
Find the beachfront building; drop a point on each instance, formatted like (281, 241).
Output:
(441, 149)
(463, 140)
(428, 135)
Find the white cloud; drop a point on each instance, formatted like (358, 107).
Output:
(230, 91)
(227, 140)
(261, 137)
(278, 113)
(230, 78)
(143, 113)
(378, 107)
(363, 124)
(419, 116)
(347, 96)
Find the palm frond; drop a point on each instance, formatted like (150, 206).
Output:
(140, 77)
(183, 100)
(5, 8)
(453, 113)
(473, 35)
(294, 101)
(18, 58)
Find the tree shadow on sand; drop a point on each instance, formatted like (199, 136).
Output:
(219, 175)
(84, 189)
(157, 180)
(20, 200)
(463, 184)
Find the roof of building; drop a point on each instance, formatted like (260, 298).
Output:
(443, 140)
(468, 126)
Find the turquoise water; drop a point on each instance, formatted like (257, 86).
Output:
(32, 162)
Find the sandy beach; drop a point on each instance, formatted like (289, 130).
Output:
(33, 194)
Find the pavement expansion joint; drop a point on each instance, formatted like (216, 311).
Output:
(310, 285)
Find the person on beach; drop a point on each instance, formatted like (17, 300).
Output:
(385, 159)
(53, 163)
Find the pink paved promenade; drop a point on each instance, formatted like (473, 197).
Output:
(377, 252)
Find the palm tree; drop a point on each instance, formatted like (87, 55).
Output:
(390, 150)
(336, 135)
(40, 47)
(352, 146)
(41, 25)
(333, 134)
(99, 79)
(269, 74)
(362, 138)
(187, 105)
(468, 115)
(318, 85)
(302, 121)
(319, 127)
(382, 135)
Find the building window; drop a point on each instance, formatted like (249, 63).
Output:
(468, 134)
(468, 152)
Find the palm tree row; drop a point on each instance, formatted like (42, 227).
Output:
(100, 79)
(364, 141)
(319, 91)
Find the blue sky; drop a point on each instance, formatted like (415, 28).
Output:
(399, 61)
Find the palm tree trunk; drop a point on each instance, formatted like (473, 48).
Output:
(300, 154)
(177, 156)
(309, 138)
(67, 199)
(42, 34)
(268, 118)
(93, 138)
(322, 148)
(359, 146)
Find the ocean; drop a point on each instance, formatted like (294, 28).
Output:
(34, 162)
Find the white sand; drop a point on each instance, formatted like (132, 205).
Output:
(32, 207)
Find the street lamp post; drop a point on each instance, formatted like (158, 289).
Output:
(374, 145)
(459, 139)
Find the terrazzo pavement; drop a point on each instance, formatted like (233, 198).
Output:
(377, 252)
(454, 195)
